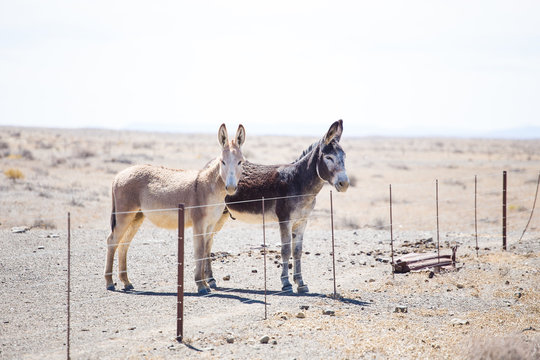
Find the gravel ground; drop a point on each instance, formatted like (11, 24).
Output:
(493, 298)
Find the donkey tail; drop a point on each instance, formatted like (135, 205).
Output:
(113, 213)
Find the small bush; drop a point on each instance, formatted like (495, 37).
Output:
(14, 174)
(143, 145)
(84, 154)
(27, 154)
(75, 202)
(43, 224)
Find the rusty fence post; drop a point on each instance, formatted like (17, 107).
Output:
(391, 233)
(68, 284)
(437, 206)
(264, 256)
(504, 212)
(333, 244)
(180, 286)
(475, 215)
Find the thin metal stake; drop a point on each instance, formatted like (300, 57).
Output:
(475, 215)
(437, 204)
(264, 256)
(504, 212)
(391, 233)
(68, 284)
(180, 287)
(333, 245)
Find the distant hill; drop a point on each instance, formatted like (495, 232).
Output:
(529, 132)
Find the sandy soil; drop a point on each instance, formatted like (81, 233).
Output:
(490, 304)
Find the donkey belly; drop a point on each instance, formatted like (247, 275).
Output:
(254, 218)
(166, 219)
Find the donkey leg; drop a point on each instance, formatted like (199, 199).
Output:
(297, 255)
(132, 229)
(285, 230)
(123, 222)
(209, 276)
(200, 261)
(298, 237)
(112, 245)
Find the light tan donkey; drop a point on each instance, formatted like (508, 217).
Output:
(140, 190)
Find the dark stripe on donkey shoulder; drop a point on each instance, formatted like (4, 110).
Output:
(226, 211)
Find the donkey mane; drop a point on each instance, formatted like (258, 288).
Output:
(307, 151)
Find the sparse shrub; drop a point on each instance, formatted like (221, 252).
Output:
(380, 224)
(55, 161)
(44, 195)
(84, 154)
(143, 145)
(349, 223)
(40, 144)
(75, 202)
(14, 174)
(121, 161)
(4, 145)
(27, 154)
(43, 224)
(400, 167)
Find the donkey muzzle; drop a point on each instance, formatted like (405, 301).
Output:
(342, 182)
(231, 187)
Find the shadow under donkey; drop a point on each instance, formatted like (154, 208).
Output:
(229, 293)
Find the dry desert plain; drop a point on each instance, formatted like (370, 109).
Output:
(489, 306)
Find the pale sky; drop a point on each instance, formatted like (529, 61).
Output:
(278, 67)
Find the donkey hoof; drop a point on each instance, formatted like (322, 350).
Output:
(128, 287)
(303, 289)
(212, 283)
(204, 291)
(111, 287)
(287, 288)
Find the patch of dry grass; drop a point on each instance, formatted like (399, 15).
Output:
(14, 174)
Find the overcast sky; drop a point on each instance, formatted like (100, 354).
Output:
(278, 67)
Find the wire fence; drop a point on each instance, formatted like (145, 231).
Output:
(79, 307)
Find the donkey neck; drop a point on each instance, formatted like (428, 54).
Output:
(305, 172)
(210, 179)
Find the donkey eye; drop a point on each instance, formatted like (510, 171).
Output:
(222, 162)
(240, 162)
(328, 157)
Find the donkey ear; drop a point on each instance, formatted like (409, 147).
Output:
(223, 137)
(334, 132)
(240, 135)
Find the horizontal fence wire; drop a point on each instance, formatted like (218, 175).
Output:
(216, 204)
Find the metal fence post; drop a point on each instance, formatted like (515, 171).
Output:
(504, 212)
(437, 205)
(475, 215)
(333, 245)
(180, 287)
(68, 284)
(391, 233)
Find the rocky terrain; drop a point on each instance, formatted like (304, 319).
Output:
(488, 305)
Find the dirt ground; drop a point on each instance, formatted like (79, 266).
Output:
(490, 305)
